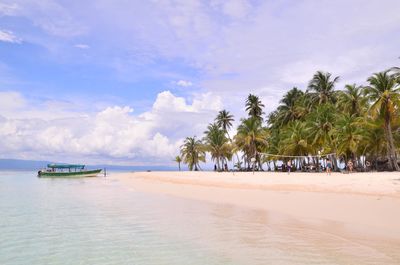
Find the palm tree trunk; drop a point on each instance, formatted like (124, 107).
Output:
(237, 156)
(179, 165)
(391, 149)
(218, 165)
(335, 163)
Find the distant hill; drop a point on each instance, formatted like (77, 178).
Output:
(18, 164)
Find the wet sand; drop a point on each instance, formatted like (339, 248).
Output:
(360, 207)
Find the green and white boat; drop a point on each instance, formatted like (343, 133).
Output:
(67, 171)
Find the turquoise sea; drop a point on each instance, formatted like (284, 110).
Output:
(99, 221)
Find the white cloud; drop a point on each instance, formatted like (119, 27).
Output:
(82, 46)
(351, 66)
(49, 15)
(9, 36)
(7, 9)
(114, 133)
(236, 8)
(184, 83)
(11, 100)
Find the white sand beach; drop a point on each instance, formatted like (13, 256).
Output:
(353, 205)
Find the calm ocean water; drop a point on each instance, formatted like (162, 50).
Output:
(100, 221)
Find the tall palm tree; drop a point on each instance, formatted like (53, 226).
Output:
(224, 120)
(193, 152)
(349, 134)
(288, 110)
(351, 100)
(251, 137)
(295, 139)
(217, 144)
(178, 160)
(254, 107)
(322, 88)
(321, 122)
(384, 93)
(374, 141)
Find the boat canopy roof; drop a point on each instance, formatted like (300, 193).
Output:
(65, 166)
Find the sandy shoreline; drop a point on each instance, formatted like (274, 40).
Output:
(368, 203)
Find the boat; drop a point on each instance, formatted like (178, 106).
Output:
(67, 171)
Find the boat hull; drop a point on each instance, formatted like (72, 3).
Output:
(80, 174)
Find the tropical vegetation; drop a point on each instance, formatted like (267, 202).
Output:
(355, 122)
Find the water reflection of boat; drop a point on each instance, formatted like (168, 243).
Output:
(67, 171)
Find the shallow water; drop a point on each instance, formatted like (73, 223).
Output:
(100, 221)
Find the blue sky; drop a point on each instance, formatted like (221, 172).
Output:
(125, 81)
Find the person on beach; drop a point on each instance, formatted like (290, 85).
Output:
(289, 166)
(328, 166)
(215, 167)
(368, 166)
(350, 166)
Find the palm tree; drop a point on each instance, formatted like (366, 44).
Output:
(192, 153)
(251, 138)
(254, 107)
(349, 135)
(321, 122)
(288, 110)
(217, 144)
(351, 100)
(373, 144)
(295, 139)
(178, 159)
(384, 93)
(321, 88)
(224, 120)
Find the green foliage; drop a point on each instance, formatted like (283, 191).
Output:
(193, 152)
(353, 122)
(321, 88)
(217, 144)
(178, 160)
(224, 120)
(254, 107)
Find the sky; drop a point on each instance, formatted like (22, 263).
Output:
(125, 81)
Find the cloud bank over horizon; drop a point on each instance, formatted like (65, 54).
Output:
(126, 81)
(113, 135)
